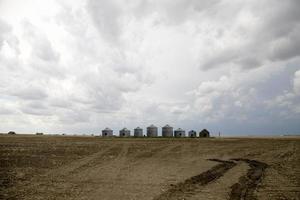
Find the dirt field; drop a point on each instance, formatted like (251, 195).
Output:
(57, 167)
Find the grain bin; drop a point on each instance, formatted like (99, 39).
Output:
(204, 133)
(152, 131)
(179, 132)
(124, 132)
(107, 132)
(167, 131)
(11, 133)
(192, 133)
(138, 132)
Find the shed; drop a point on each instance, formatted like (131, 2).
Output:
(152, 131)
(107, 132)
(204, 133)
(167, 131)
(179, 132)
(124, 132)
(192, 133)
(138, 132)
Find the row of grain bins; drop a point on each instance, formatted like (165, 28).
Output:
(152, 131)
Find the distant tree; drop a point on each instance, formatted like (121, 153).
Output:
(11, 133)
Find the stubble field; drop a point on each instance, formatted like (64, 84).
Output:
(62, 167)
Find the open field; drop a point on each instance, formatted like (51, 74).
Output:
(57, 167)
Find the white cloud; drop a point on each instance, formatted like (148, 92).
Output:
(84, 65)
(288, 102)
(296, 82)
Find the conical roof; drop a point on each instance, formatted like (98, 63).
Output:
(152, 126)
(167, 126)
(125, 129)
(138, 127)
(204, 130)
(107, 129)
(179, 129)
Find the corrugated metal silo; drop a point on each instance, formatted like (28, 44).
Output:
(204, 133)
(179, 132)
(167, 131)
(138, 132)
(152, 131)
(192, 133)
(124, 132)
(107, 132)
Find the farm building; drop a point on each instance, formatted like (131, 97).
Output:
(107, 132)
(167, 131)
(38, 133)
(192, 133)
(152, 131)
(179, 132)
(204, 133)
(124, 132)
(138, 132)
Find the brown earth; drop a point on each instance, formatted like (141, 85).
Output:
(61, 167)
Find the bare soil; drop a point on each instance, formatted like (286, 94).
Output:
(248, 183)
(63, 167)
(189, 186)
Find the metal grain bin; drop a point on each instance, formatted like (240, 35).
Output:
(204, 133)
(124, 132)
(192, 133)
(138, 132)
(167, 131)
(107, 132)
(179, 132)
(152, 131)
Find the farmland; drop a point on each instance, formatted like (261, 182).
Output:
(65, 167)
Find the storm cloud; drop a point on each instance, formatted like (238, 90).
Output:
(80, 66)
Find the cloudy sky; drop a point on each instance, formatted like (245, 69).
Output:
(78, 66)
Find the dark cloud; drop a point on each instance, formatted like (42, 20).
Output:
(286, 47)
(273, 38)
(84, 65)
(279, 18)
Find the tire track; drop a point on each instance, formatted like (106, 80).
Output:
(189, 187)
(247, 184)
(243, 190)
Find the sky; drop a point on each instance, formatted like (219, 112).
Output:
(78, 66)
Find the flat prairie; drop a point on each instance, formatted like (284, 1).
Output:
(64, 167)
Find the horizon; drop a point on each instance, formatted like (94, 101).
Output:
(116, 134)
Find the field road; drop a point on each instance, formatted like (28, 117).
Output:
(94, 168)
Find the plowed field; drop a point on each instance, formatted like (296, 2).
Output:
(61, 167)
